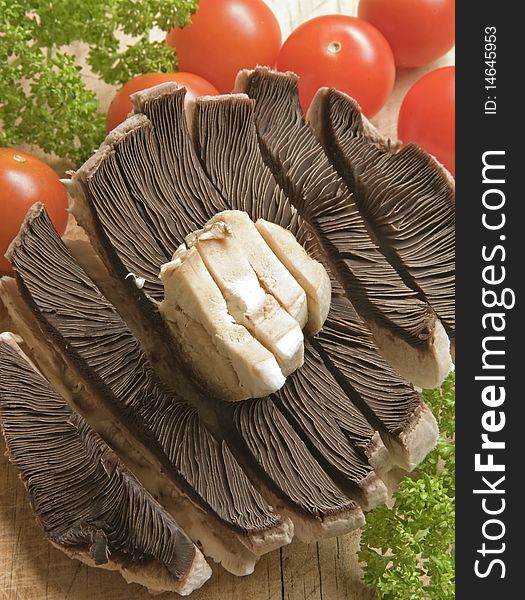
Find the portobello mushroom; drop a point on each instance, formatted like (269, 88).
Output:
(405, 328)
(231, 166)
(239, 477)
(90, 339)
(86, 501)
(85, 350)
(404, 196)
(342, 365)
(222, 131)
(250, 187)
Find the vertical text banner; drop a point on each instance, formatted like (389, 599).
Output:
(490, 349)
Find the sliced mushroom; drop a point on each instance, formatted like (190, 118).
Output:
(90, 357)
(272, 274)
(275, 207)
(408, 427)
(335, 431)
(248, 302)
(314, 503)
(86, 501)
(121, 233)
(231, 159)
(234, 364)
(405, 197)
(90, 339)
(238, 477)
(406, 329)
(220, 126)
(340, 444)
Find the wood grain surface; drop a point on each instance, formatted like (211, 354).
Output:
(30, 569)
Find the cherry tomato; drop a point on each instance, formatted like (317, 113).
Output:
(427, 115)
(226, 36)
(342, 52)
(25, 180)
(419, 31)
(121, 106)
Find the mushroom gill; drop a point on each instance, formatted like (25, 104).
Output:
(86, 501)
(404, 195)
(78, 323)
(406, 329)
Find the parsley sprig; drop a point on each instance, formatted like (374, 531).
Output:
(44, 100)
(408, 550)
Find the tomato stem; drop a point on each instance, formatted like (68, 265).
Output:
(334, 47)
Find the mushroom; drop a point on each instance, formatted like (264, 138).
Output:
(240, 176)
(86, 501)
(405, 197)
(225, 126)
(145, 360)
(85, 350)
(234, 167)
(95, 348)
(408, 428)
(406, 330)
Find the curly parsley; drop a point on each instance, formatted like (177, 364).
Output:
(408, 550)
(44, 100)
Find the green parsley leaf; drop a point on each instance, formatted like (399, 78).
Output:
(44, 100)
(408, 550)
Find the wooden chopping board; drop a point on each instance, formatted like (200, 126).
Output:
(30, 569)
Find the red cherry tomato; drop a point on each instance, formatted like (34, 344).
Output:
(25, 180)
(342, 52)
(226, 36)
(121, 106)
(427, 115)
(419, 31)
